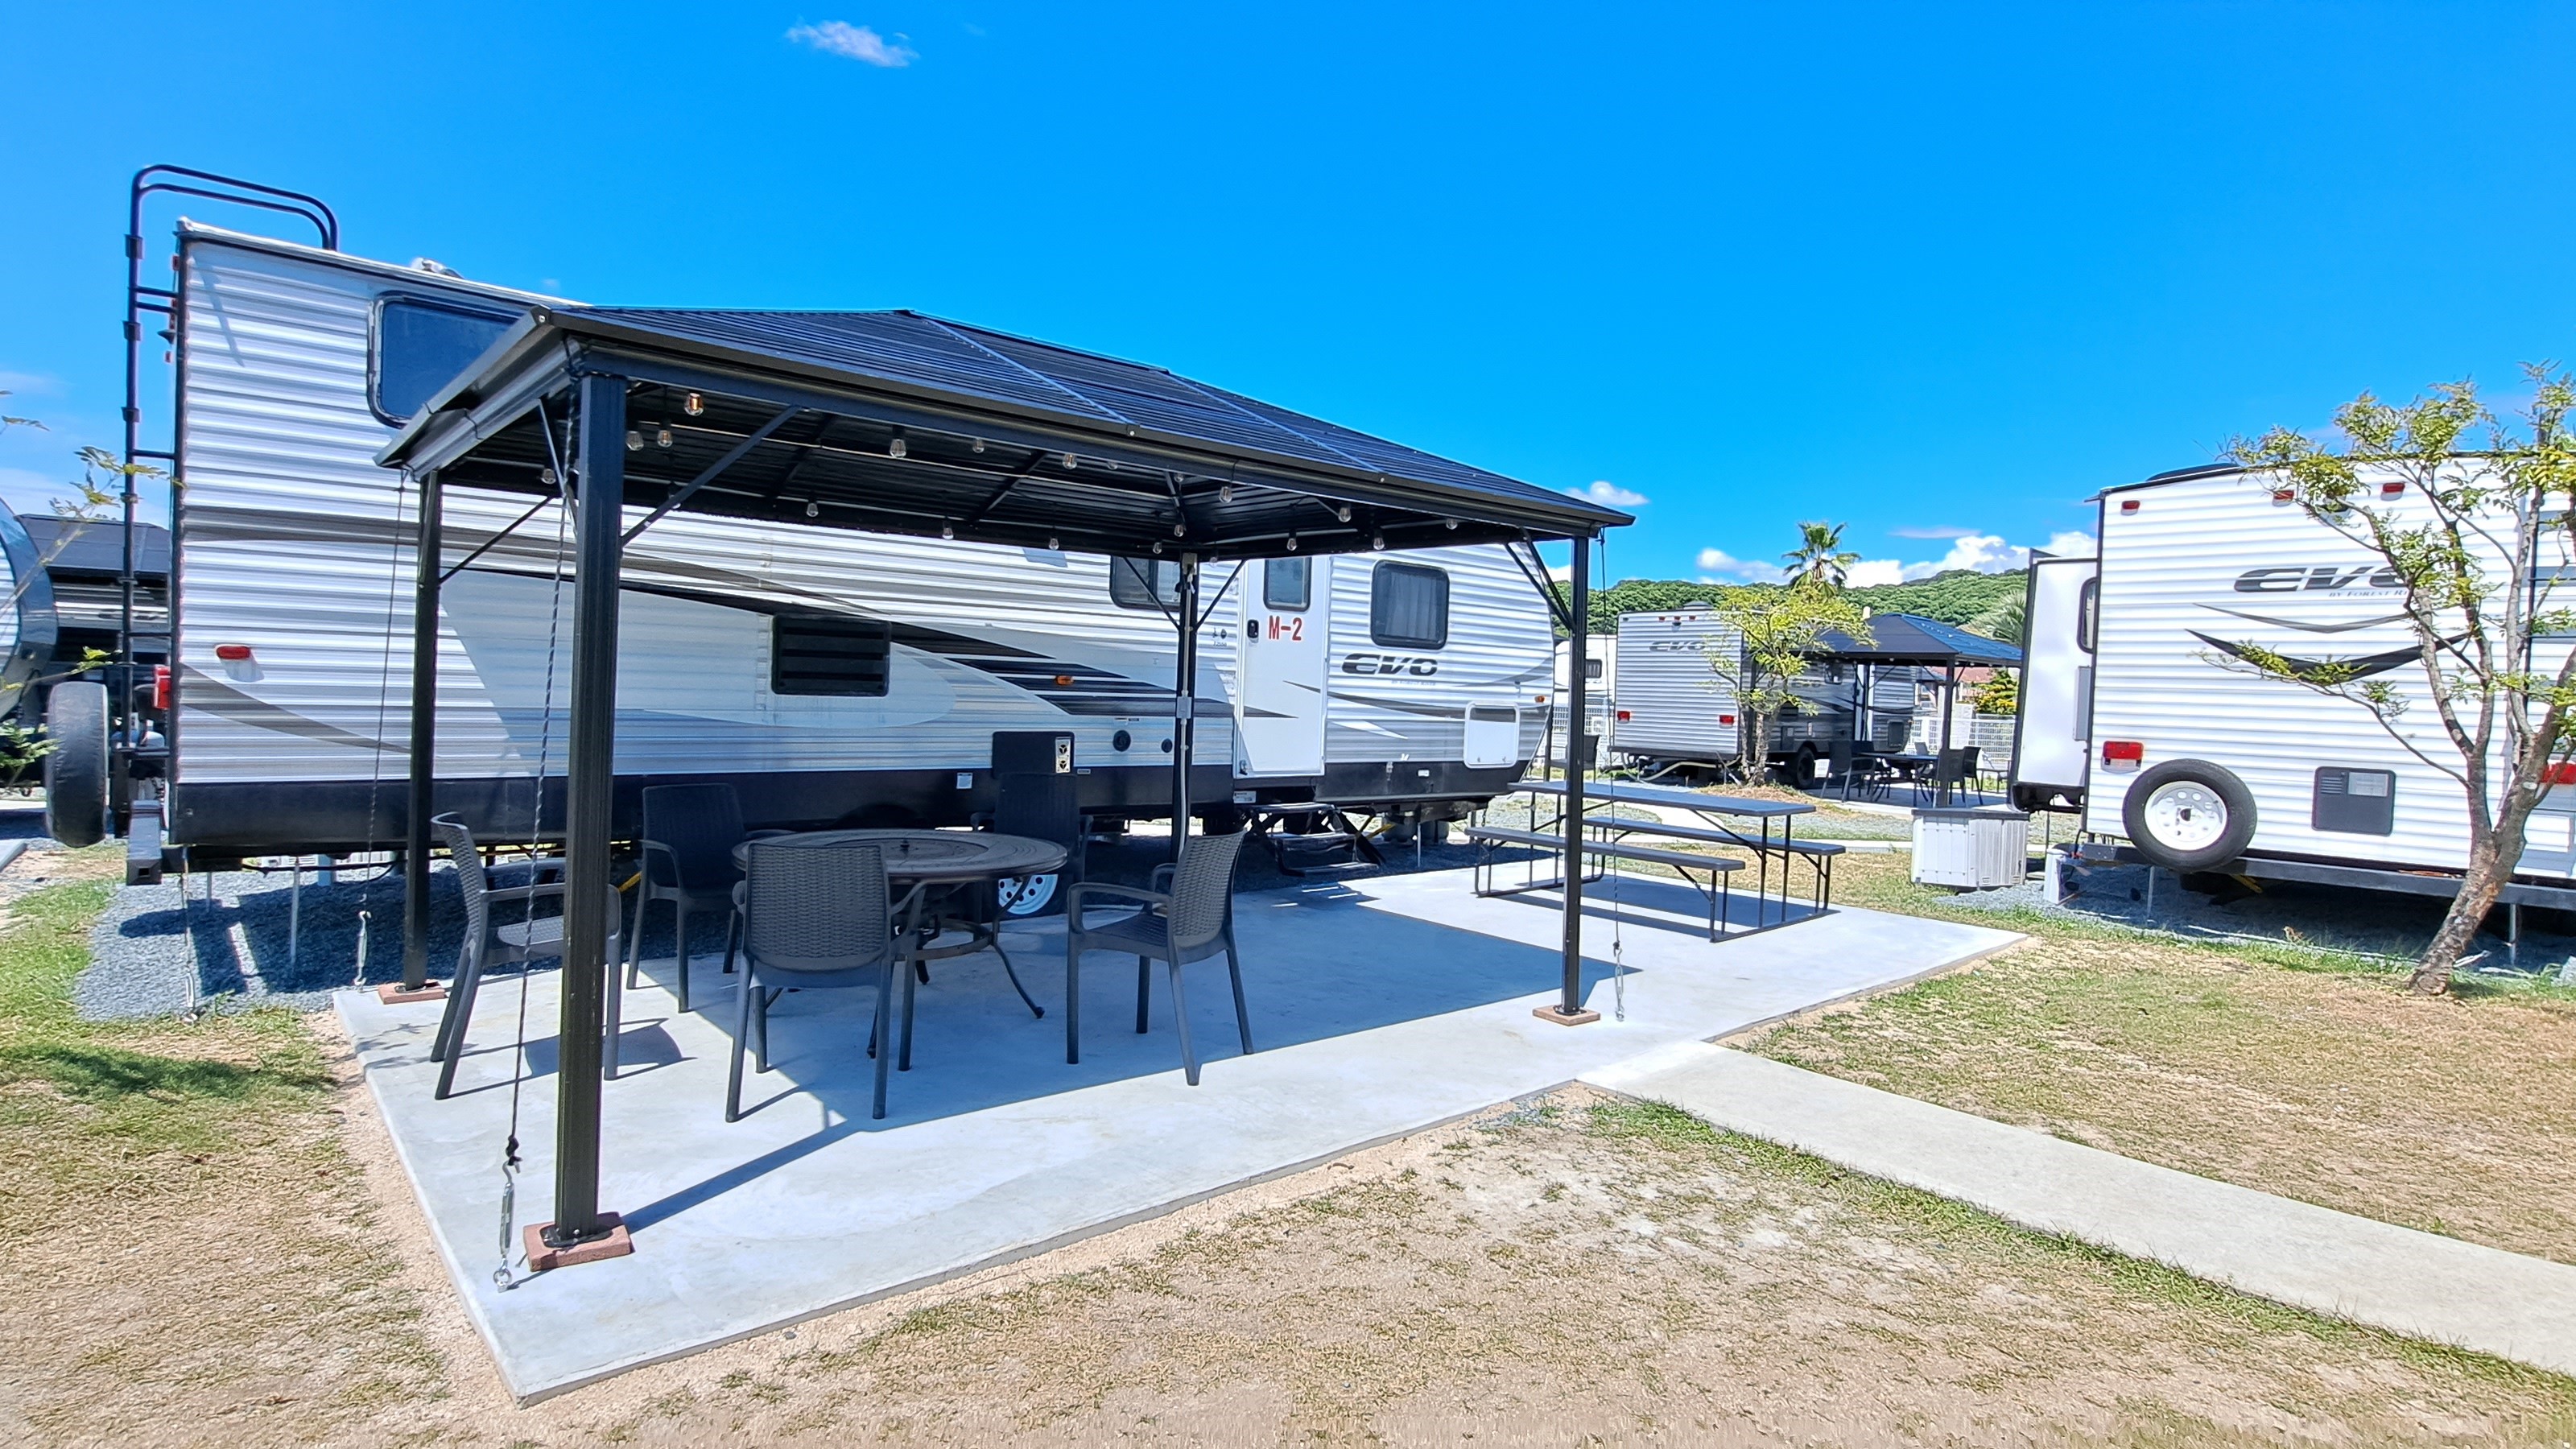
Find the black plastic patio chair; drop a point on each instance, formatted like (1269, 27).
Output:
(690, 832)
(1190, 921)
(1951, 769)
(490, 943)
(816, 917)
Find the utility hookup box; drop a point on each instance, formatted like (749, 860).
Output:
(1978, 849)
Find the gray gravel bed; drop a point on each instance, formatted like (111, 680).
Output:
(2289, 913)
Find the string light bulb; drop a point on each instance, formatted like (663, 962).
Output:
(1450, 524)
(894, 448)
(634, 441)
(947, 530)
(979, 445)
(662, 438)
(1050, 543)
(547, 477)
(1343, 513)
(1225, 494)
(813, 509)
(1292, 543)
(1377, 541)
(1158, 545)
(1069, 464)
(693, 405)
(1180, 530)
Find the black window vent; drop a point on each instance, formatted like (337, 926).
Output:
(828, 654)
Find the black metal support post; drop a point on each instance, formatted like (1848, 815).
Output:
(590, 780)
(1578, 759)
(1949, 707)
(419, 802)
(1185, 700)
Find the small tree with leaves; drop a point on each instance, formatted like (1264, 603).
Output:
(2470, 518)
(1770, 637)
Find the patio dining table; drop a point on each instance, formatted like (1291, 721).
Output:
(939, 858)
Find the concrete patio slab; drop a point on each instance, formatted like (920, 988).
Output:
(1380, 1009)
(2353, 1268)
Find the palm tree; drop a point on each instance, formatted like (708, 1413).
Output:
(1819, 554)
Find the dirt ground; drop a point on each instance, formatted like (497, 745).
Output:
(1575, 1270)
(2321, 1082)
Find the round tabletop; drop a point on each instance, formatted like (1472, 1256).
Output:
(934, 855)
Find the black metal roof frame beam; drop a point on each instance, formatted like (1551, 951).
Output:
(713, 471)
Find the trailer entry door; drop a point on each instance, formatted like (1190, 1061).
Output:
(1279, 710)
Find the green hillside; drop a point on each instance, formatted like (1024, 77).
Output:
(1987, 603)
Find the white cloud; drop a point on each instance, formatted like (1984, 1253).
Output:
(1941, 531)
(1986, 553)
(1872, 572)
(1717, 566)
(2074, 543)
(1610, 495)
(855, 42)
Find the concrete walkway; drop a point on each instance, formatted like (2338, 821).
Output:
(2353, 1268)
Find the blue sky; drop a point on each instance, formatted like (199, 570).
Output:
(1935, 272)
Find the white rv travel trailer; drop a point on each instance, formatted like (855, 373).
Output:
(2136, 713)
(1673, 710)
(830, 676)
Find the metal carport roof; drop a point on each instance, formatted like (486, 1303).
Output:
(1913, 639)
(896, 422)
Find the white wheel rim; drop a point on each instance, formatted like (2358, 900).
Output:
(2186, 815)
(1026, 895)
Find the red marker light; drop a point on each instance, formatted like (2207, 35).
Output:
(2391, 490)
(2114, 751)
(2128, 505)
(1623, 716)
(161, 687)
(1726, 719)
(232, 653)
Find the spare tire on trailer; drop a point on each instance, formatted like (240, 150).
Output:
(2189, 815)
(76, 766)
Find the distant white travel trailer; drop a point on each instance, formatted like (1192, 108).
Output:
(1672, 710)
(829, 676)
(2133, 715)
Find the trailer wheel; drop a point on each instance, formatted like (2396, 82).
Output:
(76, 767)
(1027, 895)
(2189, 815)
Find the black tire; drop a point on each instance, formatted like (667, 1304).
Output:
(1802, 768)
(76, 767)
(2193, 792)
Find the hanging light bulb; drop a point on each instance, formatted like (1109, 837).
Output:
(1450, 524)
(662, 438)
(694, 405)
(1180, 530)
(1343, 513)
(979, 445)
(546, 476)
(1377, 541)
(1225, 494)
(813, 509)
(1158, 545)
(634, 441)
(1292, 543)
(1050, 543)
(947, 530)
(1068, 462)
(894, 449)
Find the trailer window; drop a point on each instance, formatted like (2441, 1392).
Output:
(1140, 583)
(1409, 606)
(2087, 600)
(1286, 583)
(828, 654)
(420, 347)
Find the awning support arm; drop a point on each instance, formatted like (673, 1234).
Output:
(486, 545)
(1538, 580)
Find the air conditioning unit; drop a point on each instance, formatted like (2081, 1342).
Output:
(1978, 849)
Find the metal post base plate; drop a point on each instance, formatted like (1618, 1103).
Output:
(543, 1257)
(394, 993)
(1563, 1017)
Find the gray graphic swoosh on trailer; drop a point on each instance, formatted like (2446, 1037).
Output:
(200, 690)
(2307, 628)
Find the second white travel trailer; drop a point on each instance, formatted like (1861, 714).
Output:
(2139, 711)
(830, 676)
(1674, 711)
